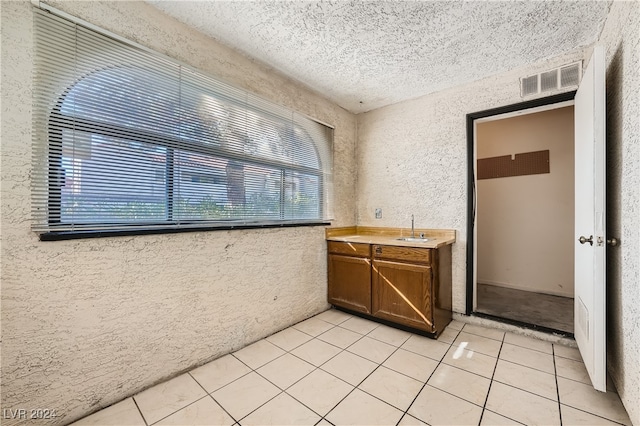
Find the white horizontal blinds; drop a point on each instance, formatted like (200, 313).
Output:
(48, 67)
(127, 139)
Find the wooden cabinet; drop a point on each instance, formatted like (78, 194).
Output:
(407, 286)
(350, 276)
(402, 286)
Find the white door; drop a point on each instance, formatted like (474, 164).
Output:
(590, 300)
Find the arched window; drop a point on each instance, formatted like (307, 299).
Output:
(134, 141)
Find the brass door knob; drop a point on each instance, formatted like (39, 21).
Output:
(586, 240)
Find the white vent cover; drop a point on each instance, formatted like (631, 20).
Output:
(548, 81)
(529, 85)
(583, 317)
(559, 78)
(570, 75)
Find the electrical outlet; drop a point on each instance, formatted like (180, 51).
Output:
(378, 213)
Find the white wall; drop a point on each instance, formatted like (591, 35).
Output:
(412, 158)
(526, 223)
(88, 322)
(621, 38)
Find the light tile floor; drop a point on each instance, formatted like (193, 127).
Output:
(339, 369)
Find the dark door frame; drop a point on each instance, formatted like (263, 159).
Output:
(471, 180)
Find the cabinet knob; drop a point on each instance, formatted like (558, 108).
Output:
(378, 249)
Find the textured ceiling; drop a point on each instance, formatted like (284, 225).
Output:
(367, 54)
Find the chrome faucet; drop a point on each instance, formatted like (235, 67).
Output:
(413, 232)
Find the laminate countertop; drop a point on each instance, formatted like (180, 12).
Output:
(436, 238)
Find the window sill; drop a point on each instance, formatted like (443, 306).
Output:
(74, 235)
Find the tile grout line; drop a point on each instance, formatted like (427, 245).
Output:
(528, 366)
(260, 375)
(379, 364)
(515, 387)
(376, 369)
(396, 348)
(406, 412)
(356, 386)
(577, 381)
(291, 385)
(296, 399)
(260, 406)
(516, 344)
(506, 384)
(525, 390)
(495, 367)
(476, 335)
(404, 374)
(190, 404)
(140, 411)
(595, 415)
(209, 394)
(284, 391)
(316, 368)
(252, 370)
(483, 336)
(560, 404)
(255, 370)
(281, 391)
(531, 349)
(555, 374)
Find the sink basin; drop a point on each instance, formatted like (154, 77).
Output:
(413, 239)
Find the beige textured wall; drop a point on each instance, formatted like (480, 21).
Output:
(412, 158)
(88, 322)
(621, 38)
(526, 223)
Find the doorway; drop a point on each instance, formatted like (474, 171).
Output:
(521, 216)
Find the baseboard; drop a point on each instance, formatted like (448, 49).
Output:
(524, 288)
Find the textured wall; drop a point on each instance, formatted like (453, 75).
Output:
(519, 216)
(86, 323)
(412, 158)
(621, 38)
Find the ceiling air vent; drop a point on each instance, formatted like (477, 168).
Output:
(529, 85)
(559, 78)
(570, 76)
(548, 81)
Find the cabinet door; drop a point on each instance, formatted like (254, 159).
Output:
(350, 282)
(402, 293)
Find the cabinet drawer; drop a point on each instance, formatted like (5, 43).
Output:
(350, 249)
(409, 254)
